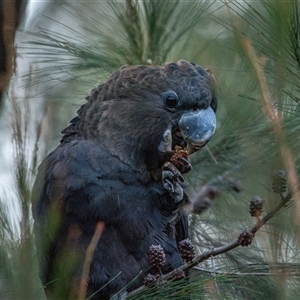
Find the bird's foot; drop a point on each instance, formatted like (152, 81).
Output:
(173, 181)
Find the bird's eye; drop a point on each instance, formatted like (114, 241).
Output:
(171, 101)
(170, 98)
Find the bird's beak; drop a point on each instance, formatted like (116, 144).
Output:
(197, 128)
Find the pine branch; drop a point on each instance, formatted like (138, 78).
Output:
(224, 248)
(294, 272)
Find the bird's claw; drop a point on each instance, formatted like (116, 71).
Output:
(173, 171)
(173, 181)
(185, 165)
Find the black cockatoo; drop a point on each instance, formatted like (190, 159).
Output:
(120, 162)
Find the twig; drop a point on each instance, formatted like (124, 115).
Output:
(222, 249)
(294, 273)
(88, 259)
(235, 243)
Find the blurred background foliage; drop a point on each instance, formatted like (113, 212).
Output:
(66, 48)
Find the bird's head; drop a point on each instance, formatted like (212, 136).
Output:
(144, 114)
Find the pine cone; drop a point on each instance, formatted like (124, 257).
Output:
(245, 238)
(180, 160)
(149, 279)
(256, 206)
(279, 181)
(178, 274)
(157, 256)
(186, 250)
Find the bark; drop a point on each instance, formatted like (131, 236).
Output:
(10, 15)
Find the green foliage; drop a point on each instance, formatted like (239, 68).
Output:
(109, 34)
(96, 38)
(18, 265)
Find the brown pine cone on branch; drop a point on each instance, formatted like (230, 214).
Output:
(245, 238)
(279, 181)
(157, 256)
(256, 206)
(186, 250)
(149, 279)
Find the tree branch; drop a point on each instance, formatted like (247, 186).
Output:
(224, 248)
(9, 19)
